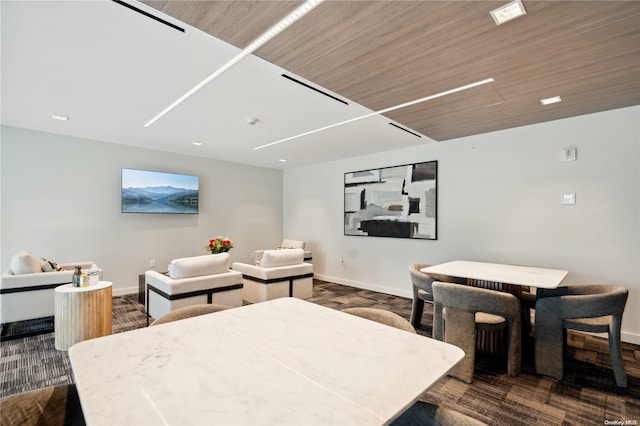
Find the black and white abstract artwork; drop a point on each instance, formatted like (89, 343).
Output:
(399, 201)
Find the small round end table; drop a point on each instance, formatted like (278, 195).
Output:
(82, 313)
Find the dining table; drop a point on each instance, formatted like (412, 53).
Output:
(284, 361)
(538, 278)
(513, 279)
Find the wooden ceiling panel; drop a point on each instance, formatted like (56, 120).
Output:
(384, 53)
(236, 22)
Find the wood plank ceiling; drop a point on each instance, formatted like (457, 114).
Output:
(385, 53)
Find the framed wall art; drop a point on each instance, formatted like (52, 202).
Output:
(398, 202)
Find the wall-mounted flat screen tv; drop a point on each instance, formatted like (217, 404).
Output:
(146, 191)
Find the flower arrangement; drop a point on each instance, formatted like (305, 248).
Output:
(219, 245)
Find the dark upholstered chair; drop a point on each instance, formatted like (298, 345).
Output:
(425, 414)
(455, 309)
(422, 292)
(382, 316)
(420, 413)
(190, 311)
(590, 308)
(50, 406)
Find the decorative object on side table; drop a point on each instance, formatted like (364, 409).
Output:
(219, 245)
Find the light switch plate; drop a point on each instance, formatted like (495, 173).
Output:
(569, 198)
(569, 154)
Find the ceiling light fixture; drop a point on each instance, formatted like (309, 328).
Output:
(59, 117)
(508, 12)
(197, 143)
(552, 100)
(382, 111)
(302, 10)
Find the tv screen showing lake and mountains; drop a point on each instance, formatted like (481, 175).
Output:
(146, 191)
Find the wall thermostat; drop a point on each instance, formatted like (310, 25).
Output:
(569, 198)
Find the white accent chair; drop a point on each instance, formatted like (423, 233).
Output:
(26, 292)
(256, 256)
(192, 281)
(280, 273)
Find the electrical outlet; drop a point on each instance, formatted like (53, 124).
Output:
(152, 263)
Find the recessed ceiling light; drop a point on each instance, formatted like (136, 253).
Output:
(282, 160)
(196, 143)
(285, 22)
(553, 100)
(508, 12)
(59, 117)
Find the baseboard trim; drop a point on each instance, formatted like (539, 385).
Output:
(408, 294)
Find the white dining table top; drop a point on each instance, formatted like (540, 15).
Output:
(281, 362)
(509, 274)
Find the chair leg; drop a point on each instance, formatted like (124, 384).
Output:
(549, 343)
(437, 331)
(514, 340)
(416, 309)
(615, 351)
(460, 330)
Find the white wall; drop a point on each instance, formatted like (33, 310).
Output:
(498, 201)
(61, 200)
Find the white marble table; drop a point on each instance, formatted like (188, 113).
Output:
(509, 274)
(281, 362)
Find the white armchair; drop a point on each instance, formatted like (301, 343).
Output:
(191, 281)
(256, 256)
(27, 292)
(280, 273)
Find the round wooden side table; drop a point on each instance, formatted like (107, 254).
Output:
(82, 313)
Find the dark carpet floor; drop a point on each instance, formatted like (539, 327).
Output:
(586, 396)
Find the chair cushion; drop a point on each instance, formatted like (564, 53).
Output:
(208, 264)
(485, 321)
(424, 295)
(25, 263)
(276, 258)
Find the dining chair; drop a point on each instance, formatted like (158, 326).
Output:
(52, 406)
(590, 308)
(420, 413)
(190, 311)
(455, 310)
(488, 325)
(422, 291)
(381, 316)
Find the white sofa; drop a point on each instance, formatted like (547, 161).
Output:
(191, 281)
(280, 273)
(28, 293)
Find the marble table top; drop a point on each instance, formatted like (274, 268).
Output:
(281, 362)
(508, 274)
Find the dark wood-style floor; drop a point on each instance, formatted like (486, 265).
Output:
(586, 396)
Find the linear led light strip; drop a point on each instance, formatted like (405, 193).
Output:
(382, 111)
(302, 10)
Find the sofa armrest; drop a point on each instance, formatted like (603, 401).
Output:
(183, 285)
(35, 279)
